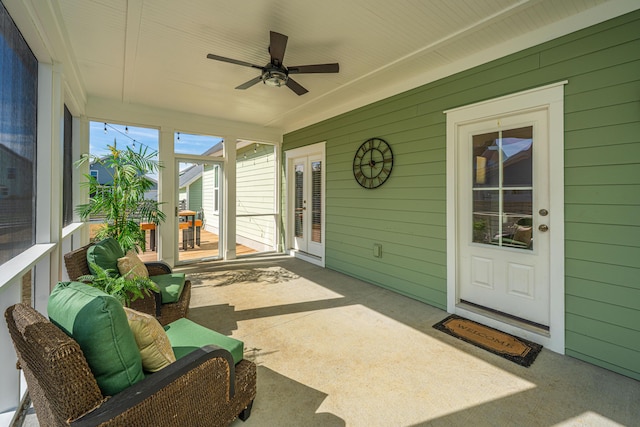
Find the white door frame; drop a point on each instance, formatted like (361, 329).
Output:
(309, 150)
(550, 97)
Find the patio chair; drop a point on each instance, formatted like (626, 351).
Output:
(77, 265)
(151, 227)
(202, 388)
(521, 236)
(187, 235)
(199, 222)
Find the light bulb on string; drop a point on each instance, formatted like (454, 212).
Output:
(126, 130)
(105, 128)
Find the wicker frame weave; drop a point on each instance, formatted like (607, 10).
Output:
(203, 388)
(77, 265)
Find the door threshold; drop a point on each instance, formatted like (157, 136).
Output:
(515, 321)
(313, 259)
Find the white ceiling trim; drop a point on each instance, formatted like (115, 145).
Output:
(415, 54)
(574, 23)
(139, 39)
(112, 111)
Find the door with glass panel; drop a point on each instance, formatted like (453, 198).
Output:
(307, 206)
(503, 221)
(198, 210)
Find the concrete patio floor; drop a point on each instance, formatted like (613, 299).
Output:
(332, 350)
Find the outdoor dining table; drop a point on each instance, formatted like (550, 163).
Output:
(190, 217)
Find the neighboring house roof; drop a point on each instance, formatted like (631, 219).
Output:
(191, 174)
(8, 152)
(216, 149)
(104, 175)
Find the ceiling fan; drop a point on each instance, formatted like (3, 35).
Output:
(275, 73)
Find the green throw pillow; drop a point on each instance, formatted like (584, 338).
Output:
(98, 323)
(105, 254)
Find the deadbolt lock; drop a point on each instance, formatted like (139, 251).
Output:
(543, 212)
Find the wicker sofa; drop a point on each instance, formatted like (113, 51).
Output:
(77, 265)
(203, 388)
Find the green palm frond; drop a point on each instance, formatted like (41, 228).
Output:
(122, 201)
(125, 290)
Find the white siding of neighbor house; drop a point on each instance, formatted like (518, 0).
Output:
(211, 217)
(255, 190)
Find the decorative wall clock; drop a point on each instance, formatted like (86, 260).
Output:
(373, 163)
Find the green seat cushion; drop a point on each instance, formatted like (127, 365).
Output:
(186, 336)
(105, 254)
(98, 323)
(171, 286)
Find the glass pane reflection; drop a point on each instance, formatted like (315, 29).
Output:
(517, 149)
(486, 160)
(299, 171)
(502, 165)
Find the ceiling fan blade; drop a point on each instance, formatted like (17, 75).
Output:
(250, 83)
(277, 46)
(296, 87)
(233, 61)
(317, 68)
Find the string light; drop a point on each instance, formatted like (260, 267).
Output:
(178, 136)
(125, 134)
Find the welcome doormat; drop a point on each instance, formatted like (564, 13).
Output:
(517, 350)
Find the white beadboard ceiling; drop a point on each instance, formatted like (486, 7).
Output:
(153, 52)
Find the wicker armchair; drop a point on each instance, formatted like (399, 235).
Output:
(203, 388)
(76, 263)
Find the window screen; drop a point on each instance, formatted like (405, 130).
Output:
(67, 200)
(18, 108)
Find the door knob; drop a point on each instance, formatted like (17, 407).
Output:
(543, 227)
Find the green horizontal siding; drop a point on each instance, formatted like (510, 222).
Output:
(407, 215)
(195, 196)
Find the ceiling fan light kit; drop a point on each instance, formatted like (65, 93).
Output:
(274, 78)
(275, 73)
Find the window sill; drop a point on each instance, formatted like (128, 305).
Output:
(18, 266)
(71, 228)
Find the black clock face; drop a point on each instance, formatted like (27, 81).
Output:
(372, 163)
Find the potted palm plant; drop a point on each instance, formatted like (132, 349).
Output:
(121, 200)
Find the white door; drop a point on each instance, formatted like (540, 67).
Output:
(503, 233)
(307, 207)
